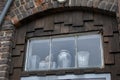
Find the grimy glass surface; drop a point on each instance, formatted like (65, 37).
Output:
(64, 52)
(71, 77)
(38, 56)
(89, 51)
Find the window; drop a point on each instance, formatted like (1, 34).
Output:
(64, 52)
(71, 77)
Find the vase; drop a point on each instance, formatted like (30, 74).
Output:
(64, 59)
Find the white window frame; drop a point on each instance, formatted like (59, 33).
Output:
(28, 52)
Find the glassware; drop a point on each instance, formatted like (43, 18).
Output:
(34, 61)
(44, 64)
(53, 65)
(83, 58)
(64, 59)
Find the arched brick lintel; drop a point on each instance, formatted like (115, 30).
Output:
(23, 16)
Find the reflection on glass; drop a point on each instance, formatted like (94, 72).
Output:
(63, 52)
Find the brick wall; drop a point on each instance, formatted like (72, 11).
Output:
(25, 8)
(6, 37)
(5, 46)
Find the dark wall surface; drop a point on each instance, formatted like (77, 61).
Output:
(65, 23)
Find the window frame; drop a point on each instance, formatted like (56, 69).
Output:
(67, 35)
(106, 76)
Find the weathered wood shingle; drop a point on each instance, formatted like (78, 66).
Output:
(63, 23)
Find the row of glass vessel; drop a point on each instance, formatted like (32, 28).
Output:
(64, 60)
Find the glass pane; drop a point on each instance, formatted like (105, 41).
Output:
(51, 77)
(38, 58)
(31, 78)
(63, 53)
(89, 51)
(71, 77)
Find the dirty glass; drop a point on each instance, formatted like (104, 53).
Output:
(64, 52)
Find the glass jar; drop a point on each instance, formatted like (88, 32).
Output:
(64, 59)
(83, 58)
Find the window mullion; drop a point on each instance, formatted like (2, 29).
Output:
(50, 52)
(76, 51)
(101, 48)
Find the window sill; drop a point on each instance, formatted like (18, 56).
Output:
(61, 72)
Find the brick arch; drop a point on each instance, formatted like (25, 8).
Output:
(23, 9)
